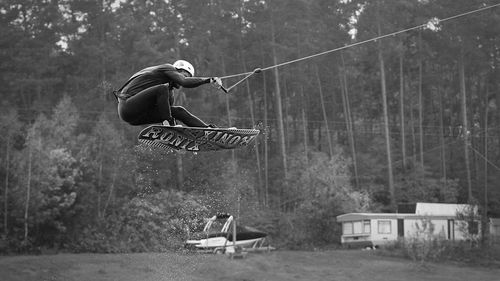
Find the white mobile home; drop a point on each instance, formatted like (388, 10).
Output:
(436, 219)
(494, 224)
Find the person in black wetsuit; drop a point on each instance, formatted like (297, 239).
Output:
(147, 96)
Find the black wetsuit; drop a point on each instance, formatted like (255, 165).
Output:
(147, 97)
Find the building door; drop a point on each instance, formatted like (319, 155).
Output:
(451, 229)
(401, 227)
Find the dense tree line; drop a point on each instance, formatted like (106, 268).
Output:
(409, 118)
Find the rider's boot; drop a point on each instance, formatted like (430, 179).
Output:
(170, 122)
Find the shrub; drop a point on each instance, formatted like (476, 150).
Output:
(435, 249)
(156, 222)
(423, 246)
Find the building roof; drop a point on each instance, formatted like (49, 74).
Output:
(422, 210)
(387, 216)
(441, 209)
(495, 221)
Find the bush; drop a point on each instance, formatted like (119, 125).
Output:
(435, 249)
(312, 225)
(156, 222)
(425, 247)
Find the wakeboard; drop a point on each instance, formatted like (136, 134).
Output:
(196, 139)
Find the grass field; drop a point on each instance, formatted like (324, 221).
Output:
(278, 265)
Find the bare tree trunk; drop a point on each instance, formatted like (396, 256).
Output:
(6, 191)
(99, 178)
(286, 123)
(441, 135)
(303, 109)
(304, 125)
(465, 128)
(420, 104)
(112, 186)
(266, 143)
(102, 31)
(485, 152)
(325, 117)
(348, 118)
(257, 146)
(28, 193)
(402, 108)
(475, 139)
(251, 104)
(413, 137)
(386, 123)
(279, 107)
(497, 98)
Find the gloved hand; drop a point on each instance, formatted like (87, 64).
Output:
(217, 81)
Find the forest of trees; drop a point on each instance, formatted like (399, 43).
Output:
(409, 118)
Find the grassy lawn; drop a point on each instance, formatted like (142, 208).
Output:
(279, 265)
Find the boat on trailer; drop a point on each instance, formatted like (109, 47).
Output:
(218, 241)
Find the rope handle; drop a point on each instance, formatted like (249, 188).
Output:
(257, 70)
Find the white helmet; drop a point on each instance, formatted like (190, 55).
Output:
(184, 65)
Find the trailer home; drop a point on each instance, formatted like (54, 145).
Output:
(424, 219)
(494, 225)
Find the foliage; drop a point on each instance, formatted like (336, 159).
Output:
(323, 190)
(419, 186)
(469, 220)
(426, 246)
(156, 222)
(71, 170)
(435, 249)
(423, 246)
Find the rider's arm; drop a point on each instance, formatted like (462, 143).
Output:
(186, 82)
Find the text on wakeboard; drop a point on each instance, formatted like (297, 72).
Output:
(177, 140)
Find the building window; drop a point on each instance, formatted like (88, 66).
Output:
(384, 227)
(347, 227)
(367, 226)
(474, 227)
(357, 227)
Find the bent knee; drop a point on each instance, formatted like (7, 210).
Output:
(178, 109)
